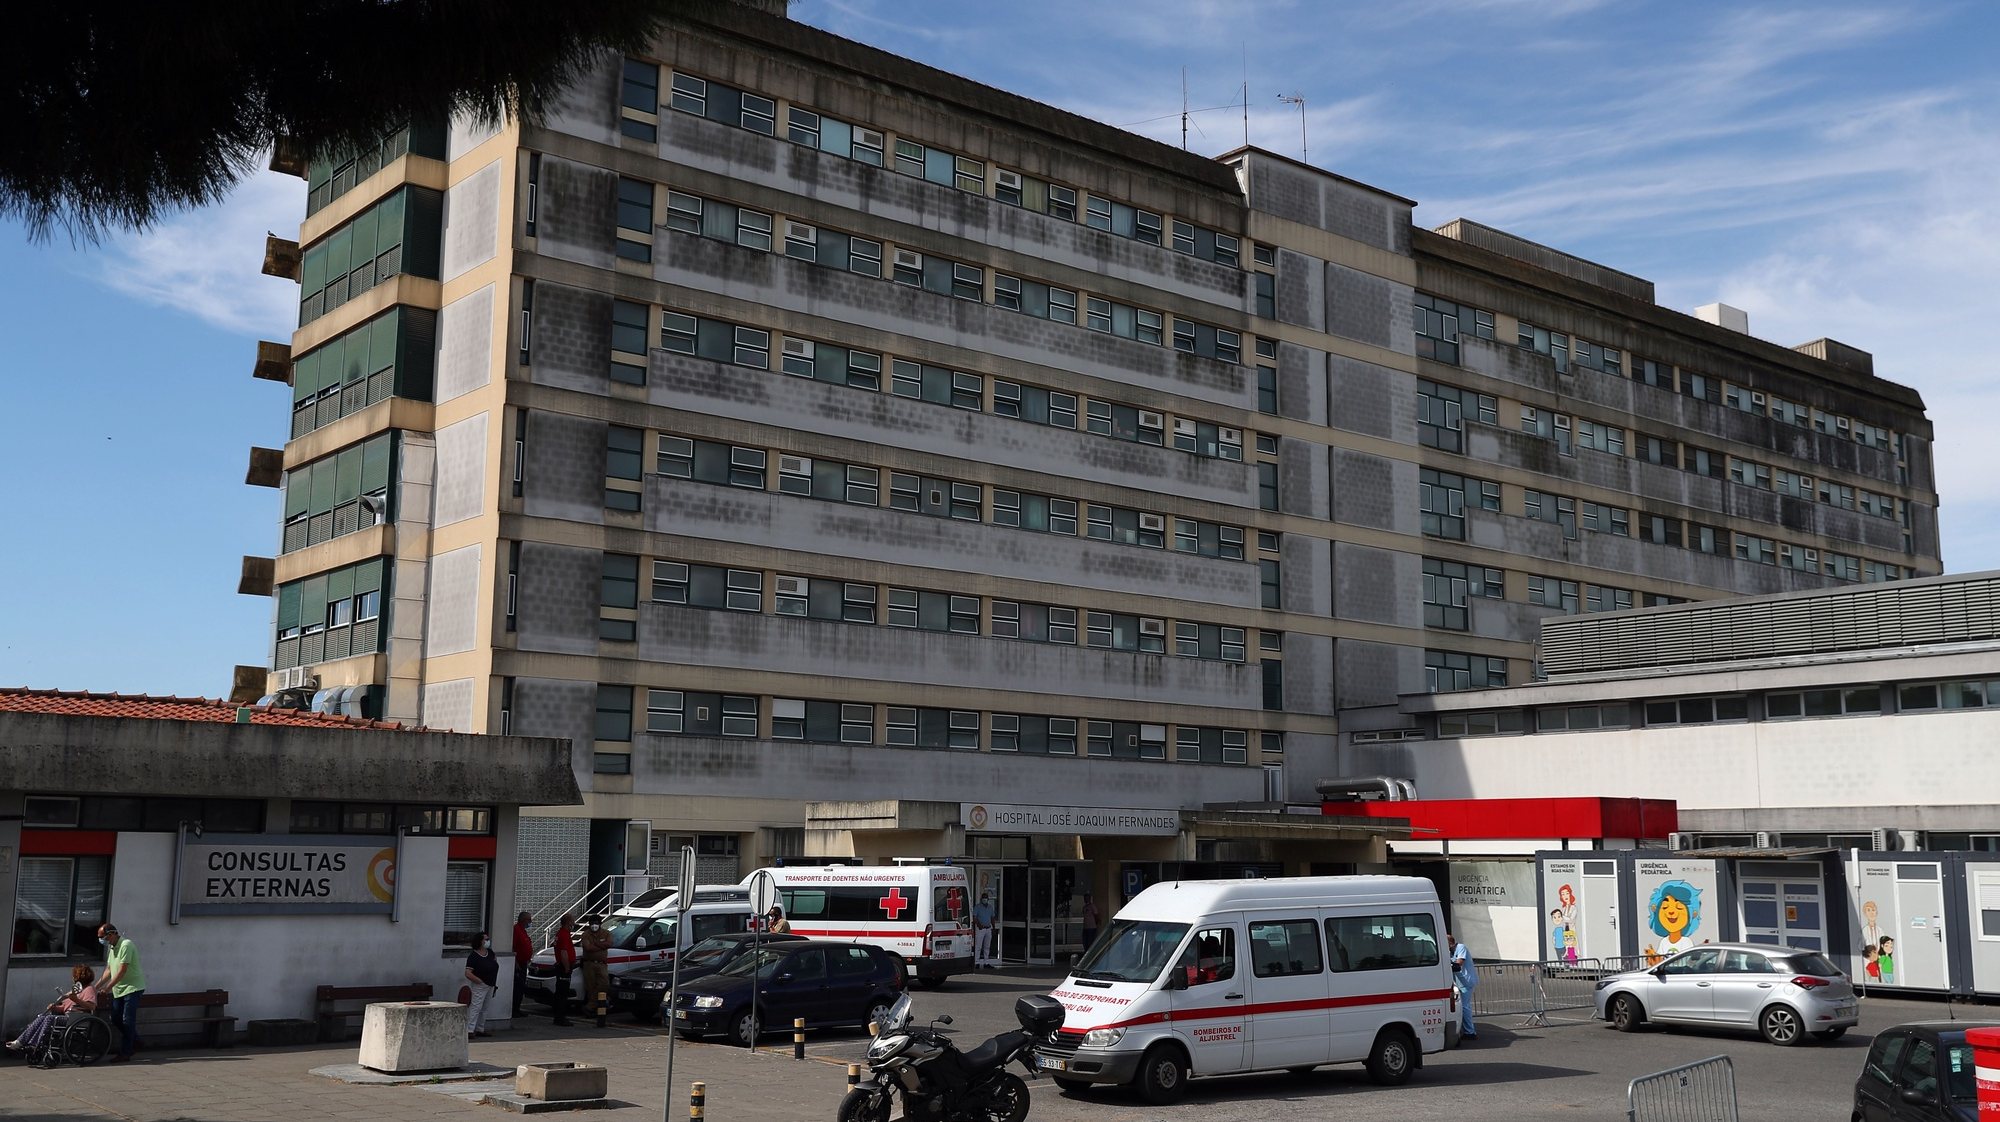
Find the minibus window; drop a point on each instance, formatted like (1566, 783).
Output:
(1210, 957)
(1286, 946)
(1390, 942)
(1132, 951)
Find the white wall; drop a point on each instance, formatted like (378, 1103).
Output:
(1905, 760)
(269, 964)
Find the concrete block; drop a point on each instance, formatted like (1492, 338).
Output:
(399, 1036)
(554, 1081)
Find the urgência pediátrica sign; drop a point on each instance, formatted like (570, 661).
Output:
(273, 874)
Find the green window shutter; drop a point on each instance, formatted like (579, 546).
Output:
(322, 487)
(364, 238)
(312, 601)
(339, 585)
(382, 341)
(305, 377)
(288, 605)
(312, 274)
(423, 232)
(375, 461)
(339, 252)
(347, 476)
(389, 219)
(368, 576)
(416, 349)
(298, 491)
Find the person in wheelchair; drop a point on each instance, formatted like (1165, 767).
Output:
(80, 998)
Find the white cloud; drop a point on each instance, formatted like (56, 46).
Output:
(208, 262)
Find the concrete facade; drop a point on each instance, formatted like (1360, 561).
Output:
(1230, 453)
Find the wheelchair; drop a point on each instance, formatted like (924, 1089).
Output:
(79, 1038)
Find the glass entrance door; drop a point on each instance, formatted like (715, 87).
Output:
(1041, 915)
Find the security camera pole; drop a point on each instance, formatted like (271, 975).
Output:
(681, 900)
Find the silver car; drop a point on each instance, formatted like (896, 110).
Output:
(1782, 992)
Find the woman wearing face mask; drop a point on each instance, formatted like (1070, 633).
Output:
(482, 976)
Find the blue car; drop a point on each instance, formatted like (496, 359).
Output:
(827, 983)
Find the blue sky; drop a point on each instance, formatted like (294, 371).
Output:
(1829, 167)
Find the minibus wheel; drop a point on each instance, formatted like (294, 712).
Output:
(1163, 1074)
(1393, 1057)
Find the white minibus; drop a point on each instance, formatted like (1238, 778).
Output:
(922, 912)
(1214, 977)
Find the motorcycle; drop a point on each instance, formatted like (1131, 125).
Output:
(938, 1082)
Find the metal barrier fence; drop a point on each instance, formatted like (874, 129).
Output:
(1703, 1091)
(1533, 990)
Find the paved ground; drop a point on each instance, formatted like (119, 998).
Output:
(1575, 1070)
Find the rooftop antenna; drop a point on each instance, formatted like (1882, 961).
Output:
(1300, 101)
(1184, 109)
(1246, 95)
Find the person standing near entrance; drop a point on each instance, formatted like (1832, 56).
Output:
(482, 976)
(564, 947)
(596, 964)
(126, 983)
(1089, 920)
(524, 950)
(982, 934)
(1465, 976)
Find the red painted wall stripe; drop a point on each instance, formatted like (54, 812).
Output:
(68, 843)
(473, 849)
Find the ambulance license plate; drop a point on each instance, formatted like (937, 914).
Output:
(1050, 1063)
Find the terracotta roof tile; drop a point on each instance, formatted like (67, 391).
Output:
(80, 703)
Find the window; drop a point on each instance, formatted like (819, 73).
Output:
(1750, 547)
(58, 903)
(465, 898)
(1445, 671)
(690, 95)
(1601, 519)
(760, 114)
(1439, 323)
(1284, 948)
(635, 215)
(1441, 499)
(1210, 957)
(1447, 587)
(1381, 942)
(1497, 723)
(641, 87)
(614, 713)
(1549, 592)
(1442, 412)
(1601, 437)
(1582, 718)
(1552, 508)
(1833, 702)
(1601, 598)
(802, 127)
(1697, 710)
(1660, 529)
(1267, 390)
(1062, 202)
(1543, 341)
(1269, 593)
(619, 594)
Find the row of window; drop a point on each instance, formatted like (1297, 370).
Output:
(743, 590)
(399, 234)
(829, 480)
(624, 710)
(852, 253)
(1443, 498)
(332, 176)
(330, 616)
(1439, 324)
(393, 354)
(1843, 701)
(641, 104)
(751, 347)
(339, 494)
(1443, 411)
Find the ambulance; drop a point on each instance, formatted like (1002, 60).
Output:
(922, 912)
(1196, 978)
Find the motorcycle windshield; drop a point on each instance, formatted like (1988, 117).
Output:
(897, 1017)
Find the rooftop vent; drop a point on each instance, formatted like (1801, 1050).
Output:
(1724, 316)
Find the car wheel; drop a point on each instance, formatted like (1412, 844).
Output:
(1393, 1057)
(878, 1009)
(1828, 1036)
(1163, 1073)
(1626, 1013)
(744, 1028)
(1780, 1025)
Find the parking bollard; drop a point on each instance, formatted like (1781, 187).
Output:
(697, 1102)
(798, 1038)
(853, 1074)
(602, 1008)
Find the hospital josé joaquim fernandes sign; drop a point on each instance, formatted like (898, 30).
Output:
(277, 874)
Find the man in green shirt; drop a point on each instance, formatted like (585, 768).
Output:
(126, 983)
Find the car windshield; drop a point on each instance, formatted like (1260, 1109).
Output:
(708, 952)
(763, 961)
(1810, 963)
(626, 931)
(649, 898)
(1131, 950)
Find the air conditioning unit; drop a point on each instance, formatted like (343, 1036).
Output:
(791, 586)
(1763, 839)
(868, 138)
(1007, 179)
(801, 231)
(1757, 400)
(909, 259)
(1229, 436)
(795, 465)
(1183, 427)
(787, 707)
(1152, 627)
(1153, 522)
(1679, 840)
(1842, 424)
(288, 678)
(1883, 840)
(799, 348)
(1562, 420)
(1150, 420)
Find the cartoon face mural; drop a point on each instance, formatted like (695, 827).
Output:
(1674, 913)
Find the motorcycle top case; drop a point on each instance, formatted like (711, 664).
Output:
(1039, 1013)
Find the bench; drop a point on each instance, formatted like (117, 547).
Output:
(334, 1022)
(203, 1008)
